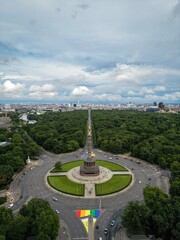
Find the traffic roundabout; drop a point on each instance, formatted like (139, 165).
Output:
(33, 184)
(112, 179)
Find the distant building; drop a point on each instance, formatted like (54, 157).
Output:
(161, 105)
(152, 109)
(7, 106)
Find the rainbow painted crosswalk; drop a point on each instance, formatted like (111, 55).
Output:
(84, 214)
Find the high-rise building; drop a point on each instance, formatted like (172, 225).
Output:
(161, 105)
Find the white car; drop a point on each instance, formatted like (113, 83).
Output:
(57, 211)
(11, 205)
(112, 222)
(54, 199)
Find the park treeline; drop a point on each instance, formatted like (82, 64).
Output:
(154, 137)
(159, 214)
(59, 132)
(14, 153)
(35, 219)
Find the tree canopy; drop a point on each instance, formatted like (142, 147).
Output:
(159, 215)
(14, 154)
(154, 137)
(34, 219)
(60, 132)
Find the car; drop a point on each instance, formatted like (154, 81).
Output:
(54, 199)
(57, 211)
(110, 158)
(97, 226)
(100, 238)
(11, 205)
(105, 231)
(112, 222)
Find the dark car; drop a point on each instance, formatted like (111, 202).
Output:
(112, 222)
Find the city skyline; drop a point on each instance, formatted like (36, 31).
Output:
(92, 51)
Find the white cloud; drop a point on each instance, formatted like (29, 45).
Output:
(122, 55)
(42, 92)
(9, 87)
(166, 97)
(81, 91)
(131, 93)
(41, 84)
(159, 89)
(146, 90)
(1, 74)
(131, 73)
(20, 77)
(143, 91)
(108, 98)
(172, 97)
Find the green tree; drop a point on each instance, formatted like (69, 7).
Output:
(18, 229)
(161, 209)
(48, 225)
(176, 232)
(175, 170)
(72, 145)
(6, 218)
(135, 217)
(6, 174)
(2, 237)
(42, 221)
(175, 188)
(60, 129)
(176, 212)
(2, 137)
(51, 144)
(58, 165)
(16, 162)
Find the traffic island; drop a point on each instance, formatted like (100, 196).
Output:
(106, 183)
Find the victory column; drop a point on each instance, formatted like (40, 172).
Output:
(89, 168)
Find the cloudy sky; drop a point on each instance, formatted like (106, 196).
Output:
(100, 51)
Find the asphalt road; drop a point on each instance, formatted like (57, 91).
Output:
(31, 182)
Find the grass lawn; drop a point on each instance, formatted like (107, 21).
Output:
(115, 184)
(67, 166)
(63, 184)
(111, 166)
